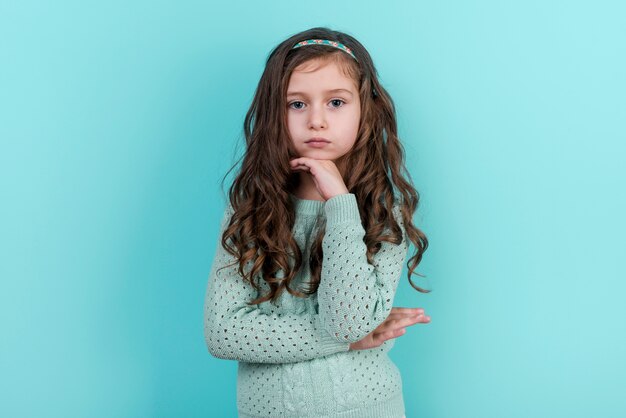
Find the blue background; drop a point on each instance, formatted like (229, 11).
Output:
(118, 119)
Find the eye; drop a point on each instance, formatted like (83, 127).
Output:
(338, 100)
(291, 105)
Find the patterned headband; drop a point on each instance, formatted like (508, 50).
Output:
(325, 42)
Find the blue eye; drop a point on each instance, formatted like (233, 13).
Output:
(292, 103)
(298, 105)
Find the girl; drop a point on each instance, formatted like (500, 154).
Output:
(313, 240)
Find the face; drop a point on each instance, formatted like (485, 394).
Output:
(322, 103)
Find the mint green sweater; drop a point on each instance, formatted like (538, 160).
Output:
(294, 357)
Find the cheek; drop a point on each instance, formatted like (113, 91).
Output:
(291, 124)
(355, 121)
(294, 119)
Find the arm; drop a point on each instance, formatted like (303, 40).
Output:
(236, 331)
(354, 296)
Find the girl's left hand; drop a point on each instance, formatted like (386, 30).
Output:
(392, 327)
(325, 174)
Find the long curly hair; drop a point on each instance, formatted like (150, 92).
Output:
(259, 233)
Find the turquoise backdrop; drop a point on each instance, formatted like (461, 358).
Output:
(118, 119)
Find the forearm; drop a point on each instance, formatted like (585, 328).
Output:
(234, 330)
(248, 335)
(354, 296)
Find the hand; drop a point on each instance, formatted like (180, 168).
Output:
(325, 174)
(392, 327)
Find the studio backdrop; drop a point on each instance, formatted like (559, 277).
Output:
(119, 119)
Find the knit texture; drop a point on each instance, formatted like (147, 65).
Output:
(294, 357)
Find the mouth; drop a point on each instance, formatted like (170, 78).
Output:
(316, 140)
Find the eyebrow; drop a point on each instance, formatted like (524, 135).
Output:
(297, 93)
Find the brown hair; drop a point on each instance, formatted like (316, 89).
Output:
(259, 233)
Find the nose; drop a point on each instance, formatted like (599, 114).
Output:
(317, 117)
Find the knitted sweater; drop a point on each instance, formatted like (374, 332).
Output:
(293, 357)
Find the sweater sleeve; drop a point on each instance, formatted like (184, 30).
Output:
(354, 296)
(235, 331)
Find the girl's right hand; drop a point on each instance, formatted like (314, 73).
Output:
(392, 327)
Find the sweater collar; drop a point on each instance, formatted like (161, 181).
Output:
(307, 207)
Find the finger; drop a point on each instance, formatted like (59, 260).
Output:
(395, 316)
(421, 318)
(407, 310)
(407, 313)
(303, 161)
(384, 336)
(314, 165)
(309, 168)
(403, 322)
(301, 167)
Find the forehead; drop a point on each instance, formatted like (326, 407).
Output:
(320, 75)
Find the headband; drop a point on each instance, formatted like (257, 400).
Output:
(325, 42)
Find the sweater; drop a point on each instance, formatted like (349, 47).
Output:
(293, 357)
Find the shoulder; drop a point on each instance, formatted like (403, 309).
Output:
(398, 212)
(228, 213)
(397, 209)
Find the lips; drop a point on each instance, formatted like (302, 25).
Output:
(316, 140)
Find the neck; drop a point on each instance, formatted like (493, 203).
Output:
(306, 188)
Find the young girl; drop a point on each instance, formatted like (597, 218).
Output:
(313, 240)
